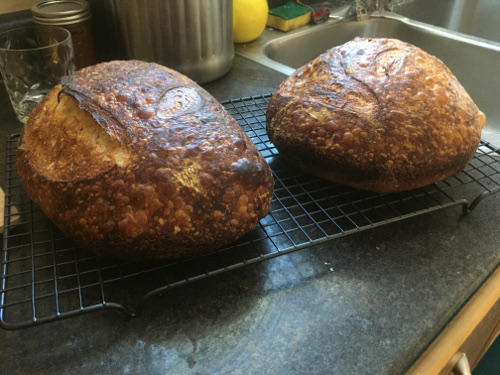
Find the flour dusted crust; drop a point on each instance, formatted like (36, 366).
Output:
(134, 160)
(376, 114)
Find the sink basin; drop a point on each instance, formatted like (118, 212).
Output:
(474, 61)
(478, 18)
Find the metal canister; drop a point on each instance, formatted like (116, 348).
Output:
(194, 37)
(75, 16)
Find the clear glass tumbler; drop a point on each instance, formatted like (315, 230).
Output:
(32, 61)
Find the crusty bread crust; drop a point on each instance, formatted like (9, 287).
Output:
(376, 114)
(134, 160)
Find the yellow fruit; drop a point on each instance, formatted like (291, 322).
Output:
(249, 19)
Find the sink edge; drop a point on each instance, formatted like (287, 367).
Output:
(255, 50)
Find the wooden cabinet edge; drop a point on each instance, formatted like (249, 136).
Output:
(472, 332)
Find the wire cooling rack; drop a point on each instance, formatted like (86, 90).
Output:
(45, 277)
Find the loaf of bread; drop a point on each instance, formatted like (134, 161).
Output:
(133, 160)
(375, 114)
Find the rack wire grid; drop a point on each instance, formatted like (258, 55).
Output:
(45, 277)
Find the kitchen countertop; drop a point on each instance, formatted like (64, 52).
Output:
(367, 303)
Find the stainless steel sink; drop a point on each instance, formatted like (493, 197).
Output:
(478, 18)
(474, 61)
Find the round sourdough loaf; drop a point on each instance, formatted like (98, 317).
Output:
(133, 160)
(376, 114)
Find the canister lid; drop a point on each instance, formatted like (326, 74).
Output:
(60, 12)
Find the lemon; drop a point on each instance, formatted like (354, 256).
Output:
(249, 19)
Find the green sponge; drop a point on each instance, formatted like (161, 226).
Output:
(289, 16)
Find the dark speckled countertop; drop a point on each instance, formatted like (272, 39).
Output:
(367, 303)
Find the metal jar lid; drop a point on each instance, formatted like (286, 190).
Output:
(60, 12)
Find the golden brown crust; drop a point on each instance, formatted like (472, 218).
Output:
(375, 114)
(134, 160)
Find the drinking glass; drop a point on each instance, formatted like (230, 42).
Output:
(32, 61)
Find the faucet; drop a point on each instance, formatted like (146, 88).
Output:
(366, 7)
